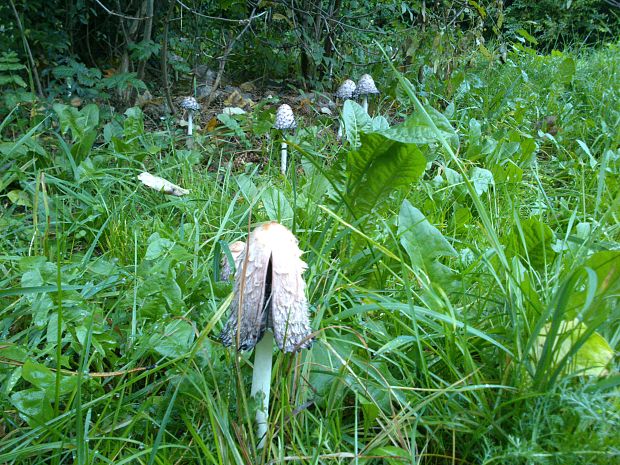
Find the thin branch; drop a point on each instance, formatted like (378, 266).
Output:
(219, 18)
(120, 15)
(224, 58)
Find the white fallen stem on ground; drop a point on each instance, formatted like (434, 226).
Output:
(261, 381)
(161, 185)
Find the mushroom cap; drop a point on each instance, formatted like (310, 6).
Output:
(366, 86)
(346, 89)
(285, 118)
(190, 103)
(269, 292)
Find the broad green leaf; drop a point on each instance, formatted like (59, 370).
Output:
(566, 70)
(83, 146)
(535, 246)
(33, 406)
(277, 206)
(606, 265)
(523, 33)
(423, 242)
(158, 246)
(133, 126)
(415, 130)
(174, 339)
(45, 379)
(482, 179)
(247, 187)
(591, 359)
(379, 123)
(78, 121)
(232, 124)
(19, 197)
(378, 168)
(355, 121)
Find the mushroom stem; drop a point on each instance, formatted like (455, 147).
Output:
(283, 159)
(190, 123)
(339, 130)
(261, 380)
(365, 103)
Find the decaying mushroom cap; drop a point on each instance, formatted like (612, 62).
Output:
(285, 118)
(235, 250)
(366, 86)
(190, 103)
(269, 292)
(346, 89)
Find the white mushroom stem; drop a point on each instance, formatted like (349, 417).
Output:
(365, 103)
(190, 123)
(339, 129)
(261, 381)
(284, 156)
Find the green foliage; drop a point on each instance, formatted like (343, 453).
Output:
(462, 273)
(557, 24)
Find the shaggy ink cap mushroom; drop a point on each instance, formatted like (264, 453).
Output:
(346, 90)
(190, 103)
(285, 121)
(285, 118)
(270, 289)
(366, 86)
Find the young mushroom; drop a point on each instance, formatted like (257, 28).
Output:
(365, 87)
(345, 91)
(285, 121)
(269, 301)
(191, 105)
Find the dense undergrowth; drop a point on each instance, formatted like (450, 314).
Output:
(464, 269)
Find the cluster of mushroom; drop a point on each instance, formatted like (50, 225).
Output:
(364, 87)
(285, 119)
